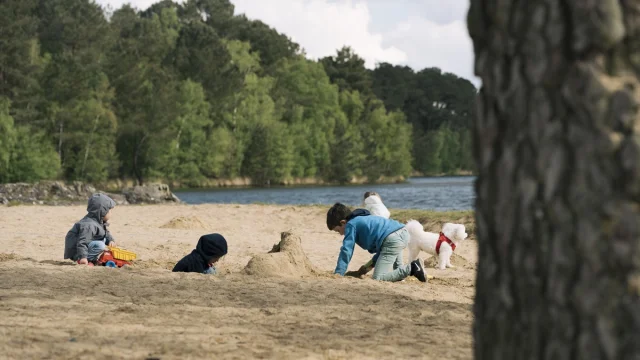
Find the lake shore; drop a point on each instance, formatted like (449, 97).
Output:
(244, 182)
(51, 308)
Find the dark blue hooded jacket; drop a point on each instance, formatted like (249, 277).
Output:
(209, 247)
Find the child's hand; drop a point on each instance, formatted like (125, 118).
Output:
(113, 244)
(353, 274)
(364, 269)
(83, 262)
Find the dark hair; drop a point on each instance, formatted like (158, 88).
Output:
(337, 213)
(371, 193)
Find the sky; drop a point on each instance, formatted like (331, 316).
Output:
(417, 33)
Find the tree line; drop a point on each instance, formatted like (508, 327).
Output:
(186, 92)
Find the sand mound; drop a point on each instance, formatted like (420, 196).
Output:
(185, 223)
(285, 260)
(5, 257)
(153, 264)
(9, 257)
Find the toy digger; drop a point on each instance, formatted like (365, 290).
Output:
(115, 257)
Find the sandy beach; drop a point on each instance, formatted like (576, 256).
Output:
(51, 308)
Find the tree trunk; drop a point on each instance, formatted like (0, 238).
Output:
(137, 169)
(60, 135)
(557, 145)
(88, 147)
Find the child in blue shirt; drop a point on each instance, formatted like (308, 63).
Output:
(383, 237)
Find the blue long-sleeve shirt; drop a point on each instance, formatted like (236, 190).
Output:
(368, 232)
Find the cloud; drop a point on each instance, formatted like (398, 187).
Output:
(429, 44)
(387, 14)
(321, 27)
(116, 4)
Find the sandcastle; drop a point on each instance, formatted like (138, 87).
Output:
(285, 260)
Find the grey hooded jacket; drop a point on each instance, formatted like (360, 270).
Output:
(90, 228)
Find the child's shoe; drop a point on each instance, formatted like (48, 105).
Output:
(417, 270)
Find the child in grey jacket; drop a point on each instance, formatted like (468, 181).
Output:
(88, 237)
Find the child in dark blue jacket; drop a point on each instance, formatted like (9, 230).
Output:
(208, 251)
(383, 237)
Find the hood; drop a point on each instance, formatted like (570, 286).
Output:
(356, 213)
(98, 206)
(212, 245)
(372, 200)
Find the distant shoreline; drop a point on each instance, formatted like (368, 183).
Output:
(117, 185)
(242, 183)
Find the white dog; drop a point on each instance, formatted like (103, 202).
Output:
(373, 203)
(441, 245)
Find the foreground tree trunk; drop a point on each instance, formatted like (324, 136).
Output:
(557, 144)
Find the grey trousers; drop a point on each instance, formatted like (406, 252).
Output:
(96, 247)
(390, 255)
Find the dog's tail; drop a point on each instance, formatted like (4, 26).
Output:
(414, 227)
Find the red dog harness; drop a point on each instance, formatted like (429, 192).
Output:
(442, 239)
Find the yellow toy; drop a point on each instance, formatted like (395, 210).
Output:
(116, 257)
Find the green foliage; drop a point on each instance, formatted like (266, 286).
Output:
(429, 160)
(388, 142)
(245, 60)
(21, 63)
(187, 91)
(449, 151)
(309, 103)
(24, 155)
(271, 45)
(201, 55)
(347, 70)
(347, 152)
(179, 155)
(466, 150)
(7, 138)
(268, 157)
(33, 158)
(217, 14)
(440, 106)
(393, 84)
(222, 157)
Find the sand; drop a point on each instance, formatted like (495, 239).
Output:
(51, 308)
(185, 223)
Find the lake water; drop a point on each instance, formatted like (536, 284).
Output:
(435, 193)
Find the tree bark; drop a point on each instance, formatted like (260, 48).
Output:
(137, 169)
(60, 135)
(88, 147)
(557, 145)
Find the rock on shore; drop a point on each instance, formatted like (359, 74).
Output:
(59, 193)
